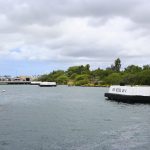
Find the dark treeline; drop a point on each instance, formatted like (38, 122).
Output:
(83, 76)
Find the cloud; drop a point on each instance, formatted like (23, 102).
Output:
(75, 31)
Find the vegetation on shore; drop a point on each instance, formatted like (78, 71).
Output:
(83, 76)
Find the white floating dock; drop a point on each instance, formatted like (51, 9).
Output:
(48, 84)
(36, 82)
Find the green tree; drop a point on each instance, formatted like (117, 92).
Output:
(114, 78)
(146, 67)
(117, 65)
(82, 79)
(63, 79)
(43, 77)
(133, 69)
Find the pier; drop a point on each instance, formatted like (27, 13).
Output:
(14, 82)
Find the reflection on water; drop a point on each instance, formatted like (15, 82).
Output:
(70, 118)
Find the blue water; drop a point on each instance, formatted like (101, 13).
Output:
(70, 118)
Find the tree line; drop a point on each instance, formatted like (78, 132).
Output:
(113, 75)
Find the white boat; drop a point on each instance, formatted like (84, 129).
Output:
(35, 82)
(47, 84)
(131, 94)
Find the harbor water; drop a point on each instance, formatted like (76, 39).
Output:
(70, 118)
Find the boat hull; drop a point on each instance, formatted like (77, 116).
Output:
(47, 85)
(128, 98)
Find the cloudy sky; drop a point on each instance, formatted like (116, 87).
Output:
(38, 36)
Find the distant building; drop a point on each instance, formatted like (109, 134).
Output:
(18, 78)
(5, 78)
(24, 78)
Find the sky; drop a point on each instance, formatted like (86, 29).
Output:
(39, 36)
